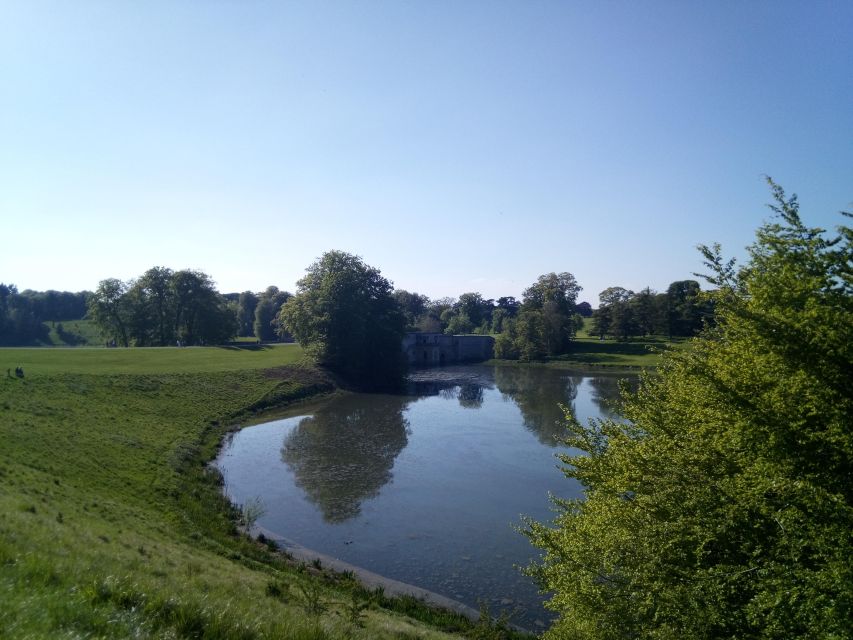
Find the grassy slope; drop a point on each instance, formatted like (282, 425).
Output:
(111, 525)
(633, 353)
(82, 332)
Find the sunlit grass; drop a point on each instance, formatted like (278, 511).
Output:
(148, 360)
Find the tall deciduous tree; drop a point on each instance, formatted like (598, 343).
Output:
(724, 508)
(109, 308)
(547, 319)
(414, 306)
(345, 316)
(685, 308)
(246, 304)
(266, 325)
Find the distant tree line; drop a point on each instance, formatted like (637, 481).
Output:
(545, 321)
(164, 307)
(682, 311)
(24, 315)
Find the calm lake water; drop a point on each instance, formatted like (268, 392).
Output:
(424, 488)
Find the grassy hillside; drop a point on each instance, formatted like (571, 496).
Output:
(112, 526)
(74, 333)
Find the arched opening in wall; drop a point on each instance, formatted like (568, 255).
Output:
(425, 356)
(441, 358)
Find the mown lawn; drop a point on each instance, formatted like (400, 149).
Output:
(633, 353)
(594, 354)
(112, 525)
(148, 360)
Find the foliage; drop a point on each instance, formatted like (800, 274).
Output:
(413, 305)
(110, 309)
(724, 507)
(345, 316)
(457, 322)
(163, 307)
(682, 311)
(546, 321)
(247, 301)
(266, 325)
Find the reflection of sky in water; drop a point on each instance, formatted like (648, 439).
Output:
(423, 488)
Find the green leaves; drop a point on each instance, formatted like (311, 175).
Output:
(724, 508)
(346, 318)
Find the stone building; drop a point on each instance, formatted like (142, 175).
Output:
(435, 349)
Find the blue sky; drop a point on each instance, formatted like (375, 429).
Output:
(457, 146)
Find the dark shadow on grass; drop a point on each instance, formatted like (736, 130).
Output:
(245, 347)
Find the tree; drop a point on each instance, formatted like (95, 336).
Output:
(584, 309)
(509, 304)
(500, 320)
(544, 324)
(413, 305)
(458, 322)
(684, 308)
(110, 310)
(645, 311)
(344, 315)
(615, 314)
(246, 304)
(561, 289)
(602, 322)
(432, 322)
(723, 507)
(266, 326)
(475, 307)
(201, 313)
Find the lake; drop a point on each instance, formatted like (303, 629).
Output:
(427, 487)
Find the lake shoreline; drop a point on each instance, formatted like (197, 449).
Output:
(367, 578)
(320, 476)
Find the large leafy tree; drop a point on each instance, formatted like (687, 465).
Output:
(161, 307)
(413, 305)
(686, 308)
(110, 309)
(345, 316)
(724, 508)
(247, 302)
(201, 313)
(547, 322)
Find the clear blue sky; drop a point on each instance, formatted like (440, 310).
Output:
(456, 145)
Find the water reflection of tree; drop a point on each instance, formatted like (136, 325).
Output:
(471, 396)
(469, 391)
(539, 395)
(606, 394)
(344, 453)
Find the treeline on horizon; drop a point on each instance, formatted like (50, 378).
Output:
(165, 308)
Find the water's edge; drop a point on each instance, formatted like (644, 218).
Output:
(368, 578)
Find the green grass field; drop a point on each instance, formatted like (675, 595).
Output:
(112, 526)
(148, 360)
(74, 333)
(634, 353)
(588, 352)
